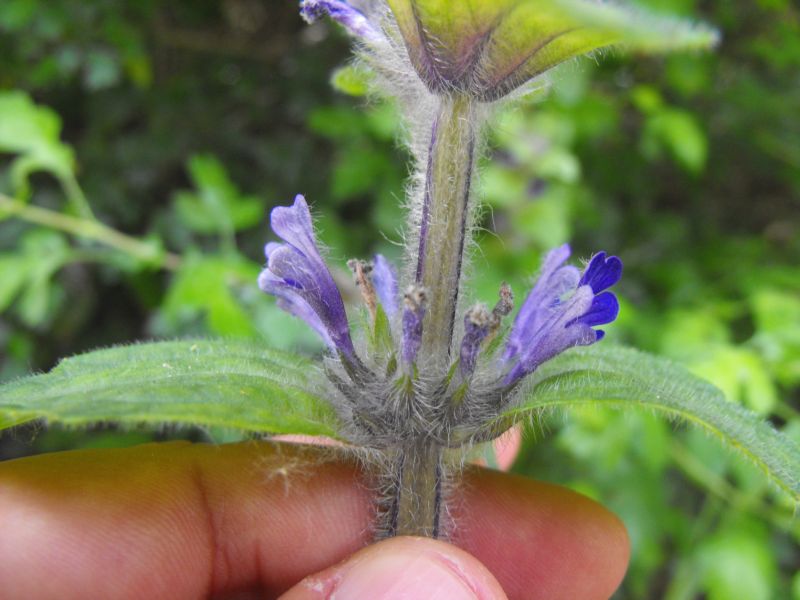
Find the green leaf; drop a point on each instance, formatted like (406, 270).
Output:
(12, 278)
(737, 562)
(217, 206)
(680, 134)
(777, 318)
(353, 80)
(26, 275)
(33, 132)
(207, 287)
(357, 171)
(491, 47)
(220, 383)
(624, 378)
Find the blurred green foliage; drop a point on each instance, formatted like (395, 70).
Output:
(182, 124)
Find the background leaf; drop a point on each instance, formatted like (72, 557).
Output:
(205, 289)
(34, 133)
(209, 383)
(216, 206)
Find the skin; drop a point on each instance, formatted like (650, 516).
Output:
(179, 520)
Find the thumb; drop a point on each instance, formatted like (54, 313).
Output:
(402, 567)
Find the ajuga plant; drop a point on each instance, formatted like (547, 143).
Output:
(429, 375)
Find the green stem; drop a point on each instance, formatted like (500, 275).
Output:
(76, 197)
(720, 488)
(445, 219)
(89, 229)
(416, 491)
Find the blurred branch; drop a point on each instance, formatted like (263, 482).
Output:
(684, 578)
(76, 196)
(88, 229)
(719, 487)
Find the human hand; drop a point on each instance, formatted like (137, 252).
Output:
(178, 520)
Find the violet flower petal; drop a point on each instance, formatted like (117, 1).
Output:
(384, 278)
(550, 321)
(604, 309)
(601, 272)
(291, 302)
(298, 276)
(352, 19)
(563, 330)
(554, 281)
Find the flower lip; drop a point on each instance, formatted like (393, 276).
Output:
(604, 309)
(602, 272)
(299, 278)
(294, 304)
(561, 311)
(384, 277)
(554, 281)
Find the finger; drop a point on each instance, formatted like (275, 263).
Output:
(175, 520)
(541, 541)
(186, 521)
(399, 568)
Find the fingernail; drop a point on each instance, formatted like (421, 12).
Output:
(394, 576)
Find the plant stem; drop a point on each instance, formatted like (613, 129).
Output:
(89, 229)
(445, 215)
(417, 491)
(76, 197)
(416, 480)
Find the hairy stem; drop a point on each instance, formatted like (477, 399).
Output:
(445, 215)
(416, 491)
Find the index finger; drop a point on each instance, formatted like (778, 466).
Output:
(187, 521)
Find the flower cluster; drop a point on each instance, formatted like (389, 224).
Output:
(420, 384)
(561, 311)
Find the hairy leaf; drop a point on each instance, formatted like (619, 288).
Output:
(202, 382)
(625, 378)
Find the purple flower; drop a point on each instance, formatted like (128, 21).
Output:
(561, 311)
(384, 277)
(350, 17)
(297, 275)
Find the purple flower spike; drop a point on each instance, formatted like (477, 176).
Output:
(384, 278)
(298, 276)
(561, 311)
(348, 16)
(414, 300)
